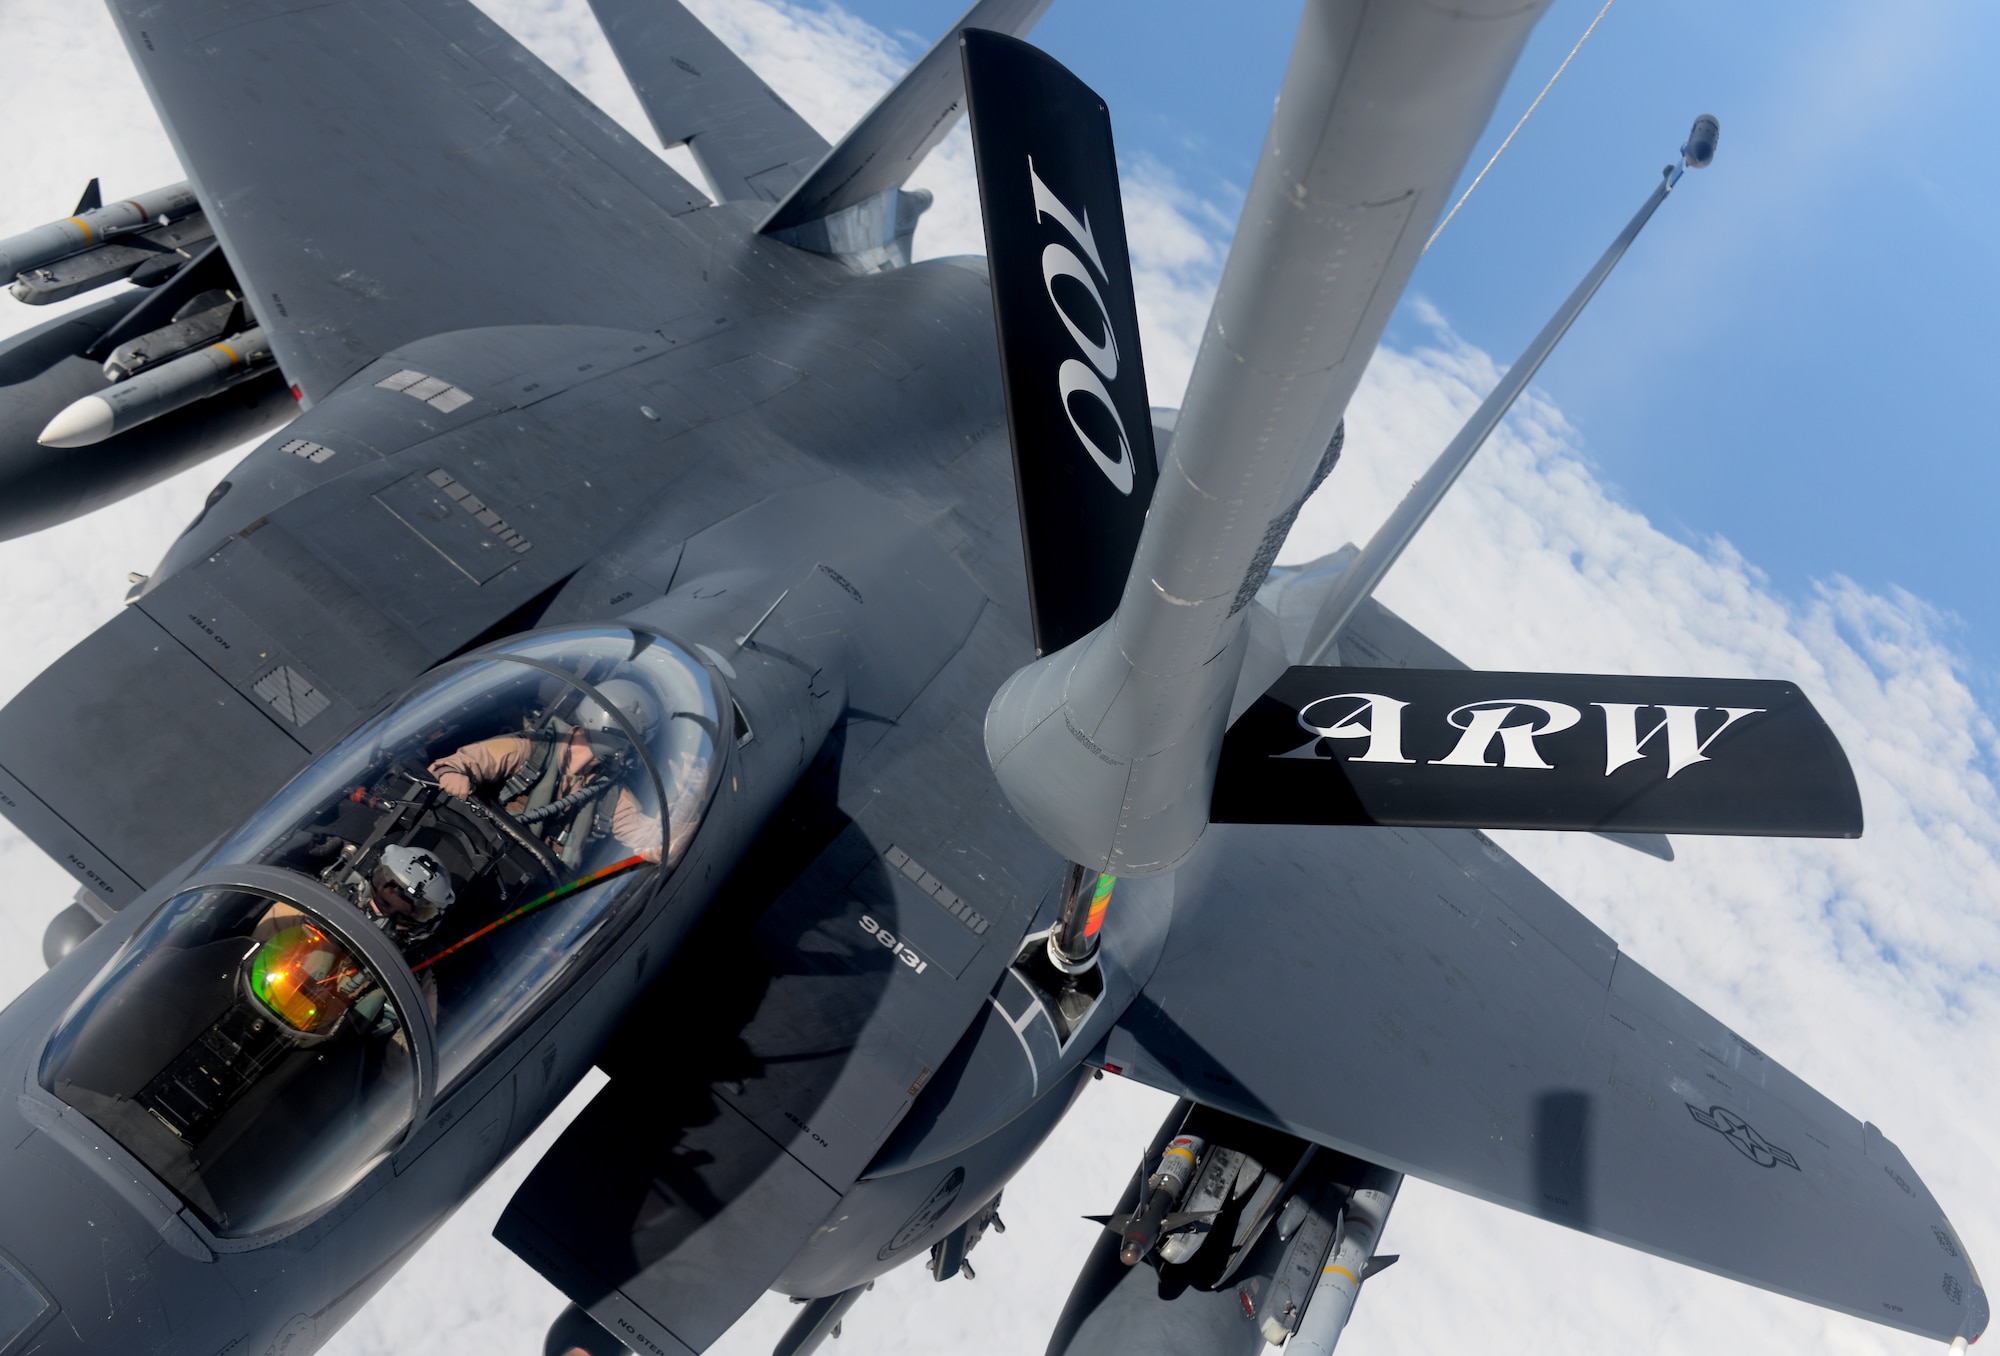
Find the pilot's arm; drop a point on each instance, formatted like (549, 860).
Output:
(634, 828)
(486, 763)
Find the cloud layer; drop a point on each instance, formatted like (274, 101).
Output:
(1868, 968)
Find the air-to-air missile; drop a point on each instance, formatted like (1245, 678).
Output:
(134, 377)
(60, 239)
(155, 391)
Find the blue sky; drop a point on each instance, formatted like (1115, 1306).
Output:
(1793, 358)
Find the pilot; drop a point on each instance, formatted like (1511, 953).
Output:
(409, 892)
(560, 778)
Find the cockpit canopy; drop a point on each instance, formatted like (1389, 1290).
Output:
(473, 847)
(245, 1052)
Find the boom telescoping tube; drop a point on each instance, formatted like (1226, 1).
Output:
(1339, 1281)
(59, 239)
(160, 390)
(1086, 895)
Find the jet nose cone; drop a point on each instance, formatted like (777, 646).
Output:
(87, 421)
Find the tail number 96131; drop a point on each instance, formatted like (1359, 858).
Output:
(903, 953)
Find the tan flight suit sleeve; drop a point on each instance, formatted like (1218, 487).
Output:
(486, 763)
(635, 828)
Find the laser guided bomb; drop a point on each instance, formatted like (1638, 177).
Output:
(718, 662)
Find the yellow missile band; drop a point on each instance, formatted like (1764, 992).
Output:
(233, 357)
(1178, 1149)
(88, 234)
(1343, 1271)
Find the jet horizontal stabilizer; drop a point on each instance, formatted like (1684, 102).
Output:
(1444, 748)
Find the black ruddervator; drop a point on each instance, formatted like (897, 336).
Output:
(603, 673)
(1442, 748)
(1070, 364)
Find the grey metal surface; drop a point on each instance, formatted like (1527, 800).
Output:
(880, 152)
(696, 92)
(693, 1211)
(126, 694)
(1496, 1042)
(1108, 747)
(388, 194)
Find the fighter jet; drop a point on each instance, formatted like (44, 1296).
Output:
(673, 632)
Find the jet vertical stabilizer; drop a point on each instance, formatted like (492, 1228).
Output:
(697, 93)
(852, 204)
(1075, 380)
(1108, 748)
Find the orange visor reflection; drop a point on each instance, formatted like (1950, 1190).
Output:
(305, 978)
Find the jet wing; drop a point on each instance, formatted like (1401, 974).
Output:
(381, 170)
(1494, 1041)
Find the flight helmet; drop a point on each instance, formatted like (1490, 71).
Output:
(631, 701)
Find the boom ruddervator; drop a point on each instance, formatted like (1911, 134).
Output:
(407, 901)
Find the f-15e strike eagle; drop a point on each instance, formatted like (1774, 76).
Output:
(716, 659)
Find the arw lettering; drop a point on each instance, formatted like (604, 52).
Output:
(1502, 732)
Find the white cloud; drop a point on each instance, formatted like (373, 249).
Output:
(1869, 968)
